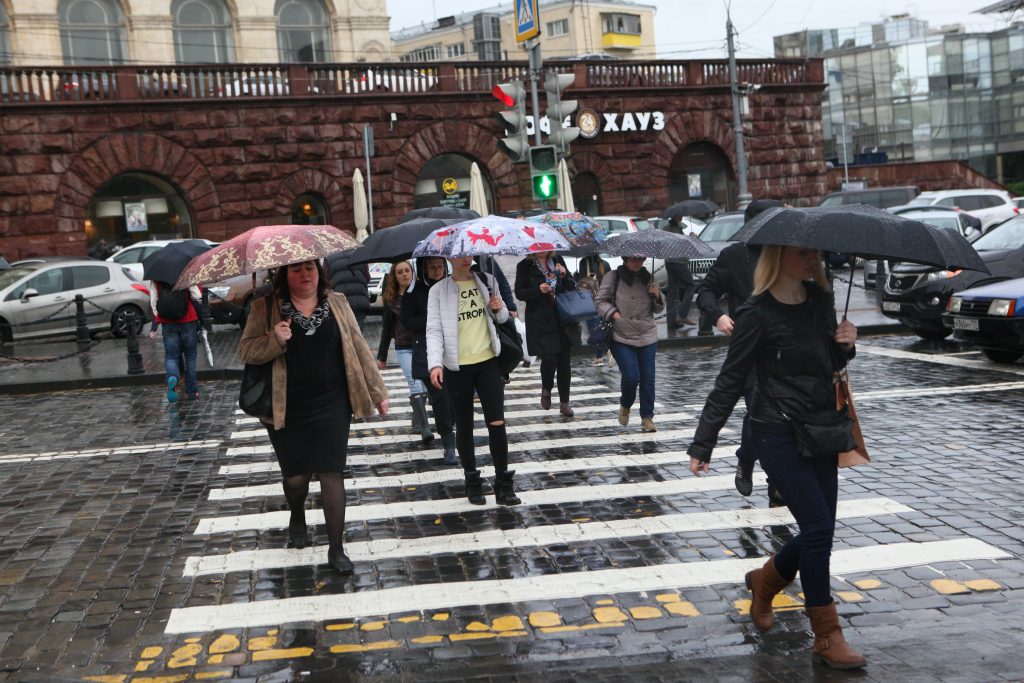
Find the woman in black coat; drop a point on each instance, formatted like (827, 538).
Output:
(539, 278)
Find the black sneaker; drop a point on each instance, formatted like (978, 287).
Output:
(745, 478)
(774, 497)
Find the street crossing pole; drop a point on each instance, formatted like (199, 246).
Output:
(535, 67)
(737, 121)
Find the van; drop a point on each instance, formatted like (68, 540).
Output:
(878, 197)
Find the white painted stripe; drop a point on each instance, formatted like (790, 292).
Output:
(394, 548)
(96, 452)
(454, 473)
(598, 441)
(562, 494)
(552, 587)
(939, 359)
(387, 439)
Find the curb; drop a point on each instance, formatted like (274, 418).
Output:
(120, 382)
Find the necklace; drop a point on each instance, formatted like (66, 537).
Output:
(311, 323)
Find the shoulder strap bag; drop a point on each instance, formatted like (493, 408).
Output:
(511, 354)
(255, 397)
(602, 333)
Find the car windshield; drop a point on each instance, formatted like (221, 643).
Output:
(1009, 235)
(921, 201)
(9, 277)
(721, 229)
(642, 224)
(951, 222)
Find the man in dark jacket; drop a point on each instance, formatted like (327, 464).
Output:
(732, 276)
(353, 282)
(679, 293)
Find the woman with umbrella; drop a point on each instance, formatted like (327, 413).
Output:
(787, 335)
(540, 277)
(323, 375)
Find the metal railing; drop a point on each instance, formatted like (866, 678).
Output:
(59, 84)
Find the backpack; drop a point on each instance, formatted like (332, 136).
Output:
(171, 304)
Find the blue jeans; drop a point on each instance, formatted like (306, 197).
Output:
(810, 488)
(180, 337)
(405, 362)
(636, 363)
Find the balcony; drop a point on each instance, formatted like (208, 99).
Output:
(621, 41)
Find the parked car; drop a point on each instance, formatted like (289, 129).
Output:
(917, 295)
(376, 285)
(616, 224)
(231, 299)
(41, 296)
(991, 206)
(1018, 202)
(991, 317)
(691, 226)
(878, 197)
(940, 217)
(718, 233)
(132, 256)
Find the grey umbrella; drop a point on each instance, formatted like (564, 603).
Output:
(656, 244)
(445, 212)
(690, 207)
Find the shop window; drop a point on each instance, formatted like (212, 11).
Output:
(202, 31)
(444, 181)
(303, 34)
(91, 32)
(133, 207)
(310, 209)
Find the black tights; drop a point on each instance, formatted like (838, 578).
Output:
(332, 494)
(486, 380)
(560, 363)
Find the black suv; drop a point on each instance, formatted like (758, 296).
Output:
(917, 295)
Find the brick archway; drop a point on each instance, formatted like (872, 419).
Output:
(323, 184)
(139, 153)
(468, 139)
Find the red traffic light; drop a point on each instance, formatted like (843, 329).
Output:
(505, 98)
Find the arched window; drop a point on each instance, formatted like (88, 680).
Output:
(444, 181)
(310, 209)
(91, 32)
(202, 32)
(302, 31)
(5, 42)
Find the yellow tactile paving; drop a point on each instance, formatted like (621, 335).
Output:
(645, 612)
(457, 637)
(373, 626)
(949, 586)
(214, 674)
(107, 679)
(441, 616)
(151, 652)
(367, 647)
(605, 615)
(604, 602)
(850, 596)
(667, 597)
(983, 585)
(185, 656)
(143, 665)
(340, 627)
(224, 643)
(427, 640)
(477, 626)
(263, 642)
(284, 653)
(407, 620)
(868, 584)
(682, 608)
(507, 623)
(544, 619)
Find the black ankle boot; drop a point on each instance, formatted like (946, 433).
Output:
(339, 561)
(474, 488)
(450, 456)
(421, 420)
(745, 478)
(298, 536)
(504, 494)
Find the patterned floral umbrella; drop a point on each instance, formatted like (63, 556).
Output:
(268, 246)
(580, 231)
(491, 235)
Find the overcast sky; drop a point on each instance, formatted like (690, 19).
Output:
(690, 28)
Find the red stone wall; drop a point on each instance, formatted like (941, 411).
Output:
(926, 175)
(241, 163)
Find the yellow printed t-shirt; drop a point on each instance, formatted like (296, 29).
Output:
(474, 335)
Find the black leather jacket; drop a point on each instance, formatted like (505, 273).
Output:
(791, 350)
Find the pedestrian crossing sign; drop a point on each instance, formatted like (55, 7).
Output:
(527, 20)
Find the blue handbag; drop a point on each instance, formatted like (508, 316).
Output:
(575, 305)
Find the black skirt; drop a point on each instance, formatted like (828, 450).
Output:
(314, 447)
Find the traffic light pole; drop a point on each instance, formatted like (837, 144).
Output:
(535, 67)
(741, 155)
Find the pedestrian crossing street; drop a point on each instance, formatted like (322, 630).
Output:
(590, 459)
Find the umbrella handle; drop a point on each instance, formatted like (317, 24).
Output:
(849, 289)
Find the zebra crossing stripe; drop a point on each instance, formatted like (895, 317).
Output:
(939, 359)
(561, 494)
(454, 473)
(96, 452)
(426, 597)
(397, 548)
(397, 457)
(388, 439)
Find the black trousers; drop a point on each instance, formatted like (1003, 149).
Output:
(441, 403)
(679, 296)
(486, 381)
(560, 364)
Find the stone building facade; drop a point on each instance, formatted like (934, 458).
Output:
(212, 167)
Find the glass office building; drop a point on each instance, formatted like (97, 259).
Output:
(916, 94)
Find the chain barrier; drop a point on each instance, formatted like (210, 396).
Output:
(48, 359)
(83, 345)
(47, 319)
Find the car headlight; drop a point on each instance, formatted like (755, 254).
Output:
(1001, 307)
(941, 275)
(955, 303)
(220, 292)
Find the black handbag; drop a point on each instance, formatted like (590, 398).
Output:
(511, 346)
(822, 433)
(575, 305)
(256, 395)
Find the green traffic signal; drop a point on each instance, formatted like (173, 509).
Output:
(545, 186)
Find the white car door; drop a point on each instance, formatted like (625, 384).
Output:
(51, 297)
(94, 283)
(131, 258)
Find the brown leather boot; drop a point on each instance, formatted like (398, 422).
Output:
(830, 647)
(764, 583)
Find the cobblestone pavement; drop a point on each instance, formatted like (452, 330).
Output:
(145, 542)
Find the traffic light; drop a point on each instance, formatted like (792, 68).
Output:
(516, 143)
(544, 172)
(560, 135)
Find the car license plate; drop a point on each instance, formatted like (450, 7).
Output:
(965, 324)
(893, 306)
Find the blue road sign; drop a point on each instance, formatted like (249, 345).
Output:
(527, 20)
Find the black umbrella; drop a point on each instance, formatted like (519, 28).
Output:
(690, 207)
(395, 243)
(4, 265)
(167, 264)
(656, 244)
(443, 212)
(864, 231)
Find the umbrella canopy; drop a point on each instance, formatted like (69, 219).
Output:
(395, 243)
(445, 212)
(565, 187)
(656, 244)
(360, 211)
(166, 264)
(863, 231)
(260, 248)
(477, 198)
(4, 265)
(690, 207)
(491, 235)
(583, 234)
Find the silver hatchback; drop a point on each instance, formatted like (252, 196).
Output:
(37, 299)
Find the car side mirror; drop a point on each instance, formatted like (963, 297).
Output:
(28, 294)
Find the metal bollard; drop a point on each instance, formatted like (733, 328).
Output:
(81, 324)
(134, 357)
